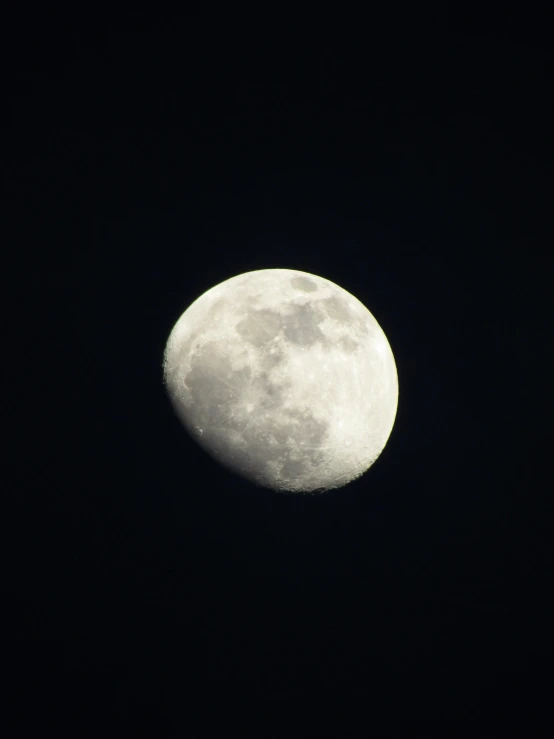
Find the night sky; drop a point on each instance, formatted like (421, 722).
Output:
(151, 592)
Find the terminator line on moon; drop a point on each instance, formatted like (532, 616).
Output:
(284, 378)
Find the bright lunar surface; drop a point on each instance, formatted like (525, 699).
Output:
(285, 378)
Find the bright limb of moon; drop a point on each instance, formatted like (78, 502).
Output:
(285, 378)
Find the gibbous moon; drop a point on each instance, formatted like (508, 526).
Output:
(285, 378)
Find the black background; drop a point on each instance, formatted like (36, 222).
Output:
(148, 158)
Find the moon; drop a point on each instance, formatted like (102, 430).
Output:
(285, 378)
